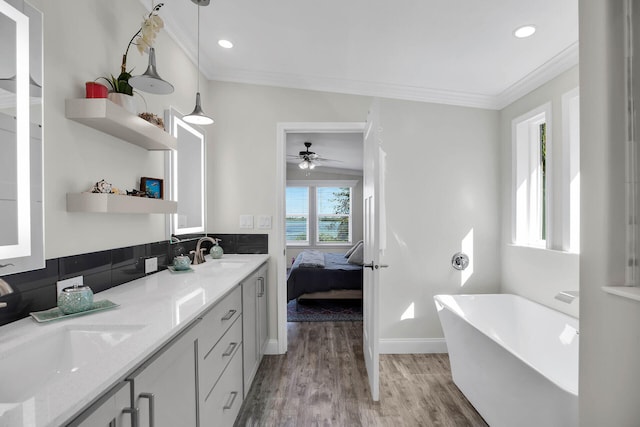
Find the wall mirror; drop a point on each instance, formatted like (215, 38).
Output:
(21, 208)
(186, 167)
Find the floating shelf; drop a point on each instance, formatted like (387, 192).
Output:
(114, 203)
(110, 118)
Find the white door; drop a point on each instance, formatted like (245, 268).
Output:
(373, 229)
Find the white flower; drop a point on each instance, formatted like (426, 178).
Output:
(148, 32)
(158, 23)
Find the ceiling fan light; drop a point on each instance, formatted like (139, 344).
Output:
(312, 165)
(303, 164)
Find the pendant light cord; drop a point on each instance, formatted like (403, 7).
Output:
(198, 69)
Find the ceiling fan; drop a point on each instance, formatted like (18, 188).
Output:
(309, 159)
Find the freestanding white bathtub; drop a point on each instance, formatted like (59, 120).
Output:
(515, 360)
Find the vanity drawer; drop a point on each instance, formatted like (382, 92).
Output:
(216, 321)
(222, 404)
(212, 363)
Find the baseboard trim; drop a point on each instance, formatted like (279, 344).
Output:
(412, 345)
(271, 347)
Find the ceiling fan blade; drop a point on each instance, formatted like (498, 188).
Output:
(328, 160)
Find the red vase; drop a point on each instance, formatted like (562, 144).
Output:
(95, 90)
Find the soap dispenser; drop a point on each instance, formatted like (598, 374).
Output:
(216, 251)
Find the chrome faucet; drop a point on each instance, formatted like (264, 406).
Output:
(198, 257)
(568, 296)
(5, 289)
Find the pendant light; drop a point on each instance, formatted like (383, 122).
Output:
(150, 81)
(197, 116)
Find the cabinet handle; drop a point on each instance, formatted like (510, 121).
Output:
(151, 398)
(261, 293)
(230, 349)
(135, 415)
(230, 400)
(229, 315)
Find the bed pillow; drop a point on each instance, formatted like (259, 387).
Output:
(353, 248)
(357, 256)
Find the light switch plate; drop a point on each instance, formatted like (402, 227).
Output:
(150, 265)
(246, 221)
(66, 283)
(264, 221)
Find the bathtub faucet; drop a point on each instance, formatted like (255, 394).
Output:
(568, 296)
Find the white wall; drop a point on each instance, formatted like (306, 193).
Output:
(442, 171)
(82, 41)
(535, 273)
(609, 325)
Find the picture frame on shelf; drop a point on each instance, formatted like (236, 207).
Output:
(154, 187)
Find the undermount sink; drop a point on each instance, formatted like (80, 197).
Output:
(229, 263)
(67, 350)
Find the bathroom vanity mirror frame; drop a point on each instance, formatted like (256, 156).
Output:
(186, 176)
(22, 134)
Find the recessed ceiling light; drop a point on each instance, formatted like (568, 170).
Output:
(524, 31)
(225, 44)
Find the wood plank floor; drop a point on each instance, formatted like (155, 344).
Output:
(322, 381)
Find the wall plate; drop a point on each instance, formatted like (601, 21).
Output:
(150, 265)
(264, 221)
(246, 221)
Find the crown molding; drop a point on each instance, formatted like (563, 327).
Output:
(555, 66)
(354, 87)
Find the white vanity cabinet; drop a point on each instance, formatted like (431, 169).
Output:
(199, 377)
(254, 309)
(164, 388)
(220, 361)
(112, 410)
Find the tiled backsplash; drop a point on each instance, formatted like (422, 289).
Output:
(36, 290)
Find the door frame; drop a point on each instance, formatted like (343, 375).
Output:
(279, 224)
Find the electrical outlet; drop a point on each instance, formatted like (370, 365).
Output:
(150, 265)
(61, 284)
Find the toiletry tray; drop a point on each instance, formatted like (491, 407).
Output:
(55, 313)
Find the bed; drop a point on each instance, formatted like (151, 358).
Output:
(334, 278)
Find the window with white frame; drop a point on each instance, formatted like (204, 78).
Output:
(546, 201)
(297, 219)
(531, 149)
(319, 213)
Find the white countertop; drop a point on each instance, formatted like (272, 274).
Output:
(152, 310)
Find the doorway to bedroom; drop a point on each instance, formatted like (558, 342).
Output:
(323, 226)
